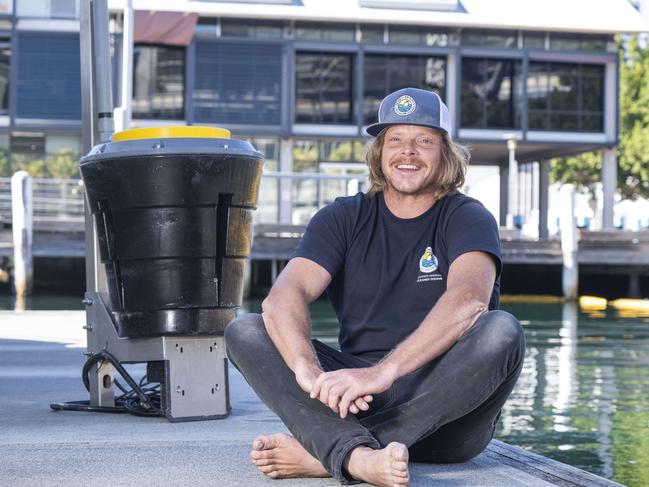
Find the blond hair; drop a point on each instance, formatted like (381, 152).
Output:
(449, 176)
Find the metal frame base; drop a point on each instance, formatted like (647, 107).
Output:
(196, 367)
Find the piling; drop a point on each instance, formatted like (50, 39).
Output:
(22, 211)
(568, 226)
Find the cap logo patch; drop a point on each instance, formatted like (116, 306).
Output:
(404, 105)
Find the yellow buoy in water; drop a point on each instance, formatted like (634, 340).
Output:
(630, 304)
(592, 303)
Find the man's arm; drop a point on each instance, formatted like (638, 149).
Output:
(286, 316)
(470, 282)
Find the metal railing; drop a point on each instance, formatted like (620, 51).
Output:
(5, 199)
(56, 200)
(53, 200)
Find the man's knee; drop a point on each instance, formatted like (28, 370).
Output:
(245, 334)
(497, 333)
(501, 328)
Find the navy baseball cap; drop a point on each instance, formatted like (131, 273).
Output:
(412, 106)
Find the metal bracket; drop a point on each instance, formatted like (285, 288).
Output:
(195, 379)
(196, 369)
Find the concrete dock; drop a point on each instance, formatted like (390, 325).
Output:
(40, 362)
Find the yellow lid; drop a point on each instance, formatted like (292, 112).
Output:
(172, 133)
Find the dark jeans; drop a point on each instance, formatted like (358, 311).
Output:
(444, 412)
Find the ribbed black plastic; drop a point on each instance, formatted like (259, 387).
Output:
(174, 231)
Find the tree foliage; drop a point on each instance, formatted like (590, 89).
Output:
(584, 170)
(62, 164)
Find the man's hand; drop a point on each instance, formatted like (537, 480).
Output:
(348, 390)
(306, 374)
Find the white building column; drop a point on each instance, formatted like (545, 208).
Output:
(609, 186)
(285, 184)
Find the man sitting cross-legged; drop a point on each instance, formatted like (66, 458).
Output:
(412, 269)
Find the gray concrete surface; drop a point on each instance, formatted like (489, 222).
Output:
(40, 362)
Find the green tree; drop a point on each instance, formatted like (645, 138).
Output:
(63, 164)
(633, 150)
(305, 156)
(347, 151)
(583, 170)
(23, 162)
(4, 164)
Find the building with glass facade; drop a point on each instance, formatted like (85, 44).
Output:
(301, 80)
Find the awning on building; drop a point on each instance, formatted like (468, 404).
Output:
(593, 16)
(170, 28)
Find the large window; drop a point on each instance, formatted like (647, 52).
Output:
(323, 88)
(251, 28)
(325, 31)
(238, 83)
(329, 157)
(385, 73)
(48, 76)
(506, 39)
(416, 35)
(373, 33)
(158, 82)
(561, 41)
(491, 93)
(564, 96)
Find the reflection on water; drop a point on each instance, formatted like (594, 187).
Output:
(583, 394)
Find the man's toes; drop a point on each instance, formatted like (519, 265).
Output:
(262, 462)
(266, 469)
(398, 452)
(258, 455)
(275, 441)
(400, 473)
(402, 466)
(265, 443)
(259, 443)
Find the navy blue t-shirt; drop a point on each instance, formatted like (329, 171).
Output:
(388, 272)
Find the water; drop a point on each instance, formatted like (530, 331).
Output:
(583, 395)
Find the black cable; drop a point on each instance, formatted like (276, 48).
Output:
(143, 399)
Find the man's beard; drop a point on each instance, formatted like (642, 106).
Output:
(429, 187)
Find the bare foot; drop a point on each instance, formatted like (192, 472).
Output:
(386, 468)
(281, 456)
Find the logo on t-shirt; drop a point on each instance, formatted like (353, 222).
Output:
(428, 261)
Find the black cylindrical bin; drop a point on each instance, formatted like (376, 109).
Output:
(173, 212)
